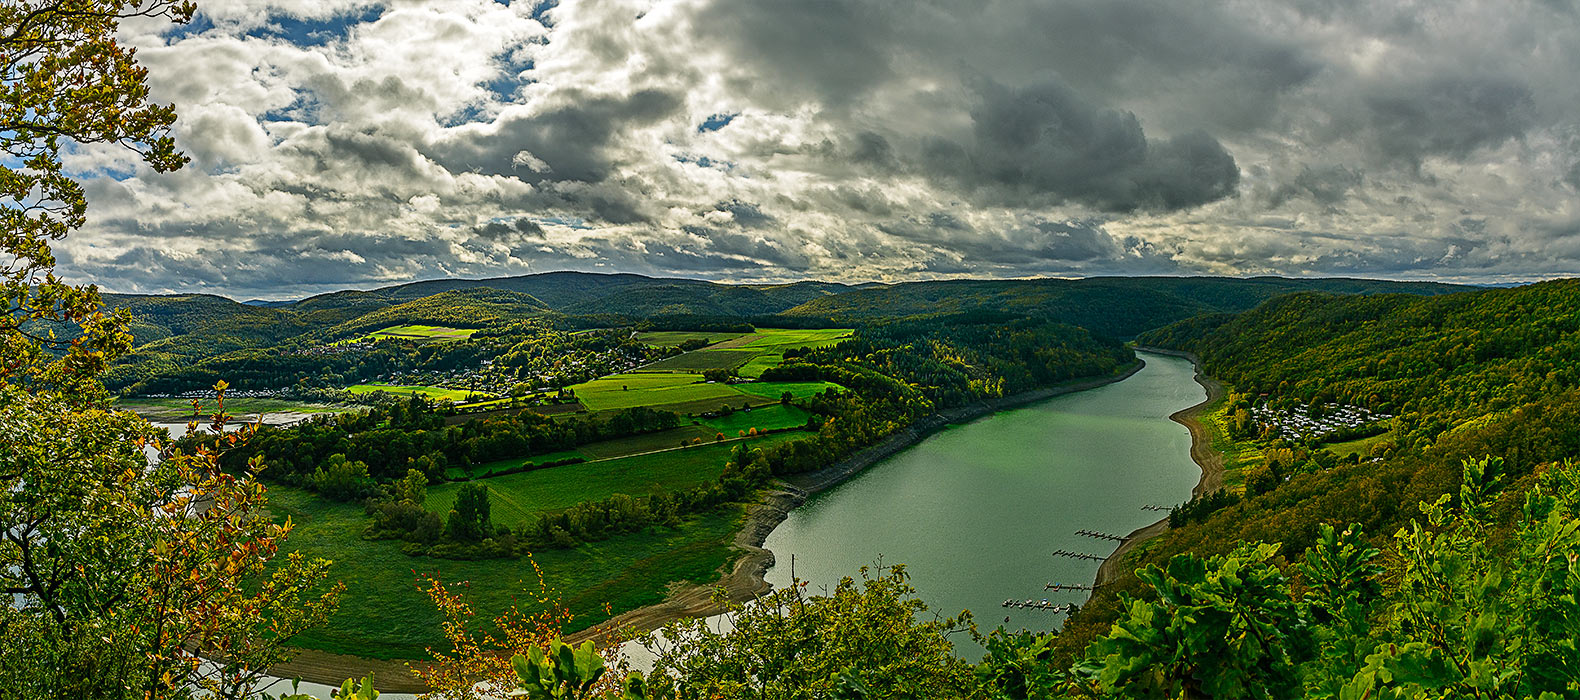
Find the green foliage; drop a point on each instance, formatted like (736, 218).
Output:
(470, 521)
(864, 639)
(351, 689)
(1224, 627)
(412, 488)
(66, 81)
(564, 673)
(341, 479)
(1470, 621)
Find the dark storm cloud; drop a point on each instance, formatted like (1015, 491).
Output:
(570, 142)
(1448, 116)
(1324, 185)
(522, 229)
(746, 214)
(1046, 142)
(837, 50)
(1573, 176)
(744, 247)
(1069, 242)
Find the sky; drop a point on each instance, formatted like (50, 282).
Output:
(348, 144)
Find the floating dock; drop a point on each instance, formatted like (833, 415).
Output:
(1067, 587)
(1151, 506)
(1039, 605)
(1099, 535)
(1078, 555)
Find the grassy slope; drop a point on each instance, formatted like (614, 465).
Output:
(773, 390)
(433, 392)
(649, 442)
(628, 390)
(765, 418)
(773, 342)
(1238, 455)
(669, 339)
(1363, 445)
(515, 498)
(483, 470)
(424, 332)
(383, 614)
(702, 360)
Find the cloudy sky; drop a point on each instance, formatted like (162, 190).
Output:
(341, 143)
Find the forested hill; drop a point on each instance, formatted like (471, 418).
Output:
(174, 331)
(591, 293)
(1119, 307)
(1485, 373)
(1114, 306)
(1439, 362)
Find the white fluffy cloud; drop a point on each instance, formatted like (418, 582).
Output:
(350, 143)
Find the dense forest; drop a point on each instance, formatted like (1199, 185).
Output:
(187, 341)
(1471, 375)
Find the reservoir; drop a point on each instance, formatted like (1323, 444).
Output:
(976, 510)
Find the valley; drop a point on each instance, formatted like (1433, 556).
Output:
(621, 461)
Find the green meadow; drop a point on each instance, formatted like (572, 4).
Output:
(436, 393)
(386, 615)
(670, 339)
(647, 389)
(771, 344)
(771, 417)
(423, 333)
(773, 390)
(518, 498)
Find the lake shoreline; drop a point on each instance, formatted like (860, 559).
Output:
(745, 581)
(1201, 452)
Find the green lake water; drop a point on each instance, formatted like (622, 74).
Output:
(975, 510)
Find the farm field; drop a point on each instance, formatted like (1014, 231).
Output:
(670, 339)
(746, 353)
(423, 333)
(655, 390)
(702, 360)
(432, 392)
(482, 470)
(773, 390)
(516, 498)
(772, 417)
(649, 442)
(390, 617)
(771, 344)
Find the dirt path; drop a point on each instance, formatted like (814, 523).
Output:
(1201, 452)
(390, 676)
